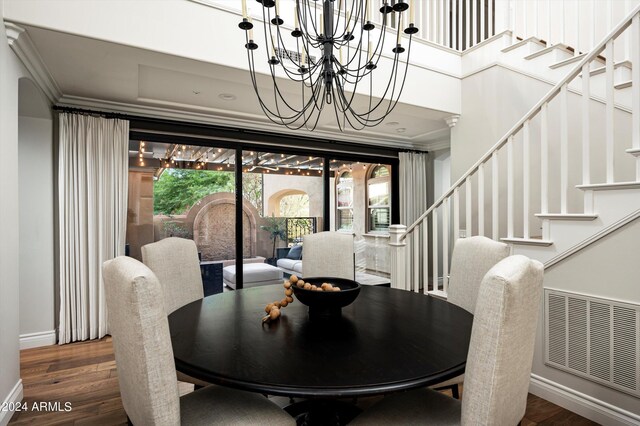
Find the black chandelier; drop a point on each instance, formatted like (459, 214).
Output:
(341, 34)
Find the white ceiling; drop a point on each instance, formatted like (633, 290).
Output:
(87, 70)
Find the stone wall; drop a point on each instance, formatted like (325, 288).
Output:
(211, 224)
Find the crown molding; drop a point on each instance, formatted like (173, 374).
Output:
(208, 118)
(25, 50)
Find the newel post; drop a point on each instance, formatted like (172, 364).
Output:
(398, 256)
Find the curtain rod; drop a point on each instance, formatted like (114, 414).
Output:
(248, 132)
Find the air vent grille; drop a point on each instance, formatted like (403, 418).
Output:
(593, 338)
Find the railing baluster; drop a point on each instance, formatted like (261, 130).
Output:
(482, 15)
(445, 23)
(408, 283)
(441, 23)
(525, 20)
(525, 180)
(445, 245)
(495, 201)
(510, 184)
(609, 109)
(460, 23)
(586, 131)
(627, 33)
(576, 47)
(468, 24)
(481, 199)
(544, 159)
(415, 236)
(454, 24)
(549, 30)
(425, 256)
(468, 226)
(564, 149)
(474, 24)
(635, 90)
(491, 20)
(435, 249)
(456, 215)
(434, 21)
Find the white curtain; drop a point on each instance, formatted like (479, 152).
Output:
(416, 185)
(416, 195)
(92, 194)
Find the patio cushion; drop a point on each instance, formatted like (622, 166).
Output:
(295, 253)
(253, 273)
(298, 268)
(289, 264)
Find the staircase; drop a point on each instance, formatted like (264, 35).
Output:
(543, 191)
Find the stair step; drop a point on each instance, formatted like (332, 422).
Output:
(575, 59)
(532, 42)
(607, 186)
(623, 85)
(561, 51)
(633, 151)
(566, 216)
(528, 241)
(567, 61)
(623, 66)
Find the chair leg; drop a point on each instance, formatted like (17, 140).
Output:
(455, 391)
(129, 423)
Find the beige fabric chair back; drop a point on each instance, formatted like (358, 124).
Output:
(328, 254)
(142, 343)
(502, 341)
(472, 258)
(175, 262)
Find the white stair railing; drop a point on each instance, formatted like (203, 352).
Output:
(420, 253)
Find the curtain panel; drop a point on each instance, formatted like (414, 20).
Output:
(416, 195)
(92, 193)
(416, 185)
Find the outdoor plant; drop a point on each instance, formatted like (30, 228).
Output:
(277, 230)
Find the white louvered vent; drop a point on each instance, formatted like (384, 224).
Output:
(593, 338)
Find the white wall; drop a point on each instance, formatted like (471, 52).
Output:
(610, 269)
(147, 27)
(36, 189)
(10, 72)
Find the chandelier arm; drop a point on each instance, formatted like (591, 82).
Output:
(268, 112)
(392, 103)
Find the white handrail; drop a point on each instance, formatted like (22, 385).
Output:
(614, 33)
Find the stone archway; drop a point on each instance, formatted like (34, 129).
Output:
(213, 221)
(276, 198)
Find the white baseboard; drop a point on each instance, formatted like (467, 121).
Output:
(14, 396)
(35, 340)
(580, 403)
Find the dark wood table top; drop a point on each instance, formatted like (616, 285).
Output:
(387, 340)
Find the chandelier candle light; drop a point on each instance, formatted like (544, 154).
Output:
(336, 46)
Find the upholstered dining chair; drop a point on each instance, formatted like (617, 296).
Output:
(471, 260)
(175, 262)
(328, 254)
(144, 360)
(498, 362)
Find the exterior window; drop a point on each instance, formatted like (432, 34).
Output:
(378, 199)
(344, 193)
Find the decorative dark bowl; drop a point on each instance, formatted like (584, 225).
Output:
(326, 304)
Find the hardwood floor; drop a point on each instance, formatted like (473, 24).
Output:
(84, 375)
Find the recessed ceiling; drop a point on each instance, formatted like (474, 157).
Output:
(92, 70)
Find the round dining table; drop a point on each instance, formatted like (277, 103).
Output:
(387, 340)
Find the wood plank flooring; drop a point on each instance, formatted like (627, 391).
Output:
(84, 374)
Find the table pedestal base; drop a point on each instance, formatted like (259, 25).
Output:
(325, 412)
